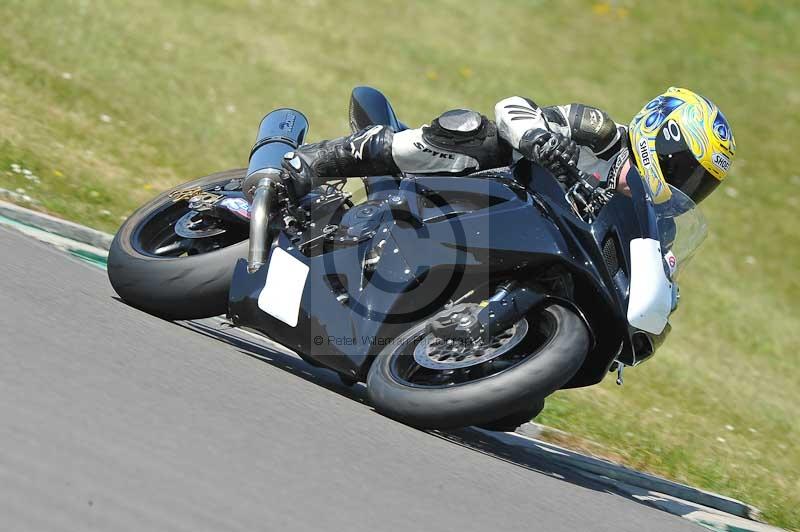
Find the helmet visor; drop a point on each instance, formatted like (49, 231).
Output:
(682, 170)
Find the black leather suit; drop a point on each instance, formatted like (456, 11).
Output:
(461, 142)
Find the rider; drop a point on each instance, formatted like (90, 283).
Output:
(679, 137)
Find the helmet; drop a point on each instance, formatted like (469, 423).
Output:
(683, 139)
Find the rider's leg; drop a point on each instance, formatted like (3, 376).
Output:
(457, 142)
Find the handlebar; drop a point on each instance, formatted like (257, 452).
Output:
(584, 193)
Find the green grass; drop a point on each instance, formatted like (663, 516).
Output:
(184, 84)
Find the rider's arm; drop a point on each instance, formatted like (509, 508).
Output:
(516, 117)
(561, 136)
(522, 124)
(588, 126)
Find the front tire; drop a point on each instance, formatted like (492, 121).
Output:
(510, 422)
(542, 370)
(174, 287)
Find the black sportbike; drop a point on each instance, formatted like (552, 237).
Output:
(458, 300)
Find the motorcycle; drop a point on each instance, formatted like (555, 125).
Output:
(458, 300)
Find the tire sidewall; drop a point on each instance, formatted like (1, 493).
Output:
(487, 399)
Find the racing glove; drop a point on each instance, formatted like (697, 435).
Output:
(554, 151)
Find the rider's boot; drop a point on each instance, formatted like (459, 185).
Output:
(364, 153)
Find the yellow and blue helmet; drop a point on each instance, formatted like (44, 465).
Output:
(683, 139)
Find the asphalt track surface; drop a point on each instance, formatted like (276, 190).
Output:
(111, 419)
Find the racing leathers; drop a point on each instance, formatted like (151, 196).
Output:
(461, 142)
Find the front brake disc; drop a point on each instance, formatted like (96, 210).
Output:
(437, 353)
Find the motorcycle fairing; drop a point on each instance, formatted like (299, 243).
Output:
(440, 237)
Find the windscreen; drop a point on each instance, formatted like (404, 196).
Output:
(682, 228)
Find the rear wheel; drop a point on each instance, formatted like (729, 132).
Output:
(175, 262)
(430, 383)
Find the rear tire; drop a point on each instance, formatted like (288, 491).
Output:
(187, 287)
(480, 401)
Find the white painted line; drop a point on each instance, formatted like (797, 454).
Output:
(631, 477)
(60, 242)
(51, 224)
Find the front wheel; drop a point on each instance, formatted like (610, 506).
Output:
(510, 422)
(428, 383)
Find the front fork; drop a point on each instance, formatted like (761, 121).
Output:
(511, 302)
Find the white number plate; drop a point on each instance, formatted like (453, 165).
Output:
(283, 291)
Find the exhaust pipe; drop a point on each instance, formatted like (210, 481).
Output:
(259, 224)
(281, 131)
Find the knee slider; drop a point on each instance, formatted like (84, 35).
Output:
(469, 133)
